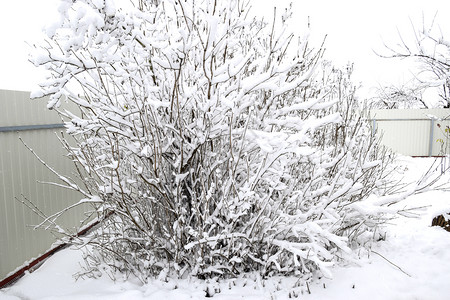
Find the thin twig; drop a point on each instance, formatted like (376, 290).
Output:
(391, 263)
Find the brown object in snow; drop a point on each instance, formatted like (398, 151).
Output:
(440, 221)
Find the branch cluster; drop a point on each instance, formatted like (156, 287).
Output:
(431, 51)
(218, 145)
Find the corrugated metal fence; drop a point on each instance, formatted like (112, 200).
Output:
(410, 132)
(19, 173)
(414, 132)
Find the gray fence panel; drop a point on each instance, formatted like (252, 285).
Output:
(413, 132)
(19, 173)
(410, 132)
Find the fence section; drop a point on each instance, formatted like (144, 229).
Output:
(20, 172)
(414, 132)
(410, 132)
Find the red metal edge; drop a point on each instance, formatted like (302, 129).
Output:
(18, 274)
(10, 280)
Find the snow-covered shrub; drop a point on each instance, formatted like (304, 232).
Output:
(207, 142)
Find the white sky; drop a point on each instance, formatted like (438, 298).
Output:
(354, 29)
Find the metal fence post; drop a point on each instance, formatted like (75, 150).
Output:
(430, 145)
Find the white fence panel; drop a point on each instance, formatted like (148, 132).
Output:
(19, 173)
(413, 132)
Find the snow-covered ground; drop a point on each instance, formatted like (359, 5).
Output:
(413, 262)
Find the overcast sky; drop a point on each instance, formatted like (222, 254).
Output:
(354, 29)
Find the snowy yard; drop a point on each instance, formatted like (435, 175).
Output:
(413, 262)
(209, 140)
